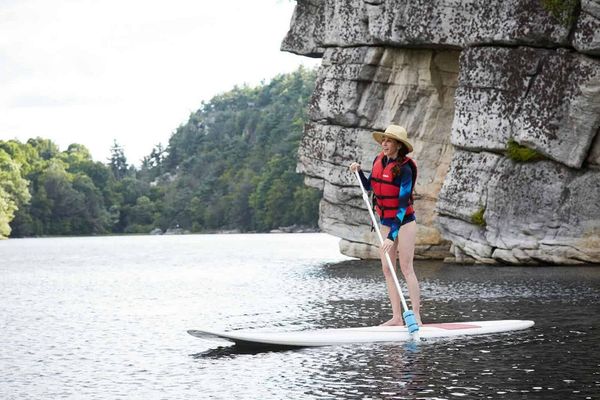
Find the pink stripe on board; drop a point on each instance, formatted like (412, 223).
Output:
(451, 326)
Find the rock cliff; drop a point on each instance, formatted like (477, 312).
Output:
(468, 80)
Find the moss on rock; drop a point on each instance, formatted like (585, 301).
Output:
(519, 153)
(562, 10)
(477, 217)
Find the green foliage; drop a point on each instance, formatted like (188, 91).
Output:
(231, 166)
(118, 161)
(477, 217)
(13, 191)
(519, 153)
(562, 10)
(64, 188)
(45, 148)
(7, 210)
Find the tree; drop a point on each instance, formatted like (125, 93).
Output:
(44, 147)
(230, 166)
(14, 192)
(118, 161)
(141, 215)
(306, 205)
(63, 203)
(93, 217)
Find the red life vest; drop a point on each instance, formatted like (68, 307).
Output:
(387, 191)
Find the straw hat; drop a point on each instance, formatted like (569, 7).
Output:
(394, 132)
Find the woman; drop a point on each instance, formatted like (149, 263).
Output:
(392, 180)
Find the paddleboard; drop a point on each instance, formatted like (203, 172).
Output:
(329, 337)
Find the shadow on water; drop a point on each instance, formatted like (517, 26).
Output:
(236, 350)
(408, 348)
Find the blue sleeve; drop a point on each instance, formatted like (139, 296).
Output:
(405, 180)
(366, 182)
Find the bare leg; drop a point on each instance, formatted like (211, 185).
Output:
(406, 251)
(392, 291)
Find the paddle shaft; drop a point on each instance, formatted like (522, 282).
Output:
(387, 256)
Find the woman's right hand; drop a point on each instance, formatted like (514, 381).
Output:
(354, 167)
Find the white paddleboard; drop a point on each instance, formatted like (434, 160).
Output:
(329, 337)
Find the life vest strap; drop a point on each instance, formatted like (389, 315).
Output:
(385, 182)
(386, 208)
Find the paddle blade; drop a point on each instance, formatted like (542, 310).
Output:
(411, 321)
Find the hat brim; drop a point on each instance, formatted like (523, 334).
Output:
(378, 136)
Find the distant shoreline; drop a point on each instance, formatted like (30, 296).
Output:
(215, 232)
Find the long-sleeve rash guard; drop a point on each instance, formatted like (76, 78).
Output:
(404, 179)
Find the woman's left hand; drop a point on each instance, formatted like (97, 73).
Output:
(387, 245)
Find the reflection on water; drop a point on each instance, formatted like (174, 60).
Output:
(106, 318)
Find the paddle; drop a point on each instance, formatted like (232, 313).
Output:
(408, 315)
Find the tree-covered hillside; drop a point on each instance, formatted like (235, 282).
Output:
(231, 166)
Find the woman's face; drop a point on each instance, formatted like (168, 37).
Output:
(390, 147)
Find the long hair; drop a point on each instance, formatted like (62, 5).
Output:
(402, 152)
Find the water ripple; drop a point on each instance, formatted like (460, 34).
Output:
(105, 318)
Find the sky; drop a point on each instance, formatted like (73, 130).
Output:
(90, 72)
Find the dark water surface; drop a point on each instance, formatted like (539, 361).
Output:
(106, 318)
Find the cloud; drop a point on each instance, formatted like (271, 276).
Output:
(91, 72)
(34, 100)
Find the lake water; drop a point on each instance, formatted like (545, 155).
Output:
(106, 318)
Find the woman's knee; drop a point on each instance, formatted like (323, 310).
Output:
(407, 268)
(386, 270)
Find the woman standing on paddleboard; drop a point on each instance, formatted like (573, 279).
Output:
(392, 180)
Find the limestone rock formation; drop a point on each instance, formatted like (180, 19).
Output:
(364, 88)
(587, 32)
(466, 79)
(548, 100)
